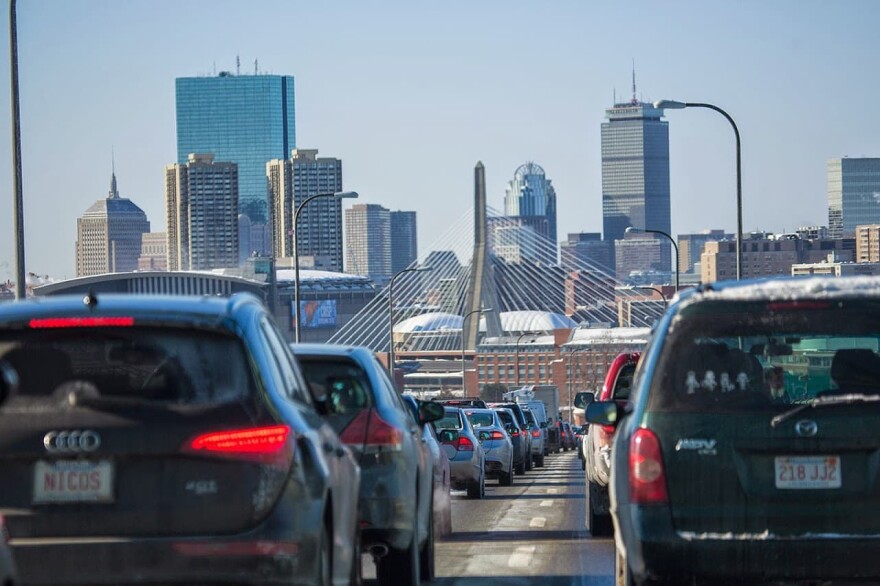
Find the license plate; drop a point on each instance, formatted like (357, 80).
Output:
(73, 481)
(807, 472)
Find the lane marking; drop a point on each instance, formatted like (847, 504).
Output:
(552, 490)
(522, 557)
(538, 522)
(548, 503)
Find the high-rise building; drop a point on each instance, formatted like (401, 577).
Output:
(690, 248)
(585, 250)
(531, 198)
(404, 241)
(853, 195)
(368, 241)
(243, 119)
(635, 171)
(319, 226)
(201, 205)
(639, 253)
(154, 252)
(108, 235)
(868, 243)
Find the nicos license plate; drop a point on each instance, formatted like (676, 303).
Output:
(807, 472)
(73, 481)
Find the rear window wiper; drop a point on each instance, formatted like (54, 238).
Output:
(823, 402)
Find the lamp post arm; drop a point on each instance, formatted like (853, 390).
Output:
(739, 228)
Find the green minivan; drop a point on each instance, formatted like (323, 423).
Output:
(749, 451)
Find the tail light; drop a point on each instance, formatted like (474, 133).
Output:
(81, 322)
(463, 444)
(266, 445)
(514, 433)
(536, 433)
(373, 432)
(647, 478)
(496, 435)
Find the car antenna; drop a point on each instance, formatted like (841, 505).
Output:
(90, 300)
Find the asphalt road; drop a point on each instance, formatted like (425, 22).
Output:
(531, 533)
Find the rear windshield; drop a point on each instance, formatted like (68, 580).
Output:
(755, 358)
(151, 364)
(344, 382)
(481, 419)
(451, 420)
(506, 417)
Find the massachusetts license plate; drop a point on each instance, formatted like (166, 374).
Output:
(73, 481)
(807, 472)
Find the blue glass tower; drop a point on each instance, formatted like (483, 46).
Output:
(530, 196)
(244, 119)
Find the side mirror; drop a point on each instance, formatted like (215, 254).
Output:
(8, 381)
(605, 412)
(584, 398)
(430, 411)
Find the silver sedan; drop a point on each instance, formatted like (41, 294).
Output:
(496, 444)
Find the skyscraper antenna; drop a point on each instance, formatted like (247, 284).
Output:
(215, 67)
(615, 96)
(256, 67)
(237, 65)
(634, 101)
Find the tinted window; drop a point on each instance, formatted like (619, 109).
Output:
(449, 421)
(481, 419)
(173, 366)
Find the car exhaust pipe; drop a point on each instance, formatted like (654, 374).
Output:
(378, 550)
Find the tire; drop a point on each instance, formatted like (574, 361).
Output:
(529, 463)
(475, 489)
(520, 468)
(598, 523)
(539, 461)
(506, 479)
(583, 464)
(622, 574)
(426, 554)
(356, 577)
(401, 568)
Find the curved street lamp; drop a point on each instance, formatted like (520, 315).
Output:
(296, 309)
(675, 105)
(634, 230)
(467, 315)
(391, 314)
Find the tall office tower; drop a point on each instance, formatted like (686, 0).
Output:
(201, 205)
(635, 171)
(108, 235)
(291, 182)
(853, 195)
(404, 243)
(243, 119)
(530, 196)
(368, 242)
(154, 252)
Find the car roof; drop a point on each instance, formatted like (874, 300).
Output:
(312, 349)
(782, 288)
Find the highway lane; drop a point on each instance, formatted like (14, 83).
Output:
(531, 533)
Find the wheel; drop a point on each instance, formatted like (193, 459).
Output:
(520, 468)
(426, 555)
(583, 464)
(475, 489)
(401, 567)
(506, 478)
(539, 461)
(529, 463)
(622, 574)
(324, 569)
(598, 523)
(356, 577)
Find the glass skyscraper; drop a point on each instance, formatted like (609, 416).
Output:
(853, 195)
(243, 119)
(635, 172)
(531, 198)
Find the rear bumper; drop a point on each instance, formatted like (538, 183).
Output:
(655, 550)
(464, 471)
(387, 504)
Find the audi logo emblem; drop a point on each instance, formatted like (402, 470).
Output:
(806, 428)
(66, 442)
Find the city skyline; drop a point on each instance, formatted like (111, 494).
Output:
(410, 113)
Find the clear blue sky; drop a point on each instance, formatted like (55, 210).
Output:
(411, 94)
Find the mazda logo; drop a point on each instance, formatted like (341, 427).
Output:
(806, 428)
(68, 442)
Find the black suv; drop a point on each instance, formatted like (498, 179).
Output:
(167, 439)
(748, 450)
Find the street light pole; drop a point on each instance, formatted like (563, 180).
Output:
(391, 314)
(467, 315)
(674, 105)
(516, 358)
(18, 198)
(671, 239)
(299, 208)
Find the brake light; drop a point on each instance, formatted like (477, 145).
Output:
(536, 433)
(514, 433)
(81, 322)
(373, 432)
(496, 435)
(647, 478)
(463, 444)
(268, 445)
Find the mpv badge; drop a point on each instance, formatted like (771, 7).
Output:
(68, 442)
(806, 428)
